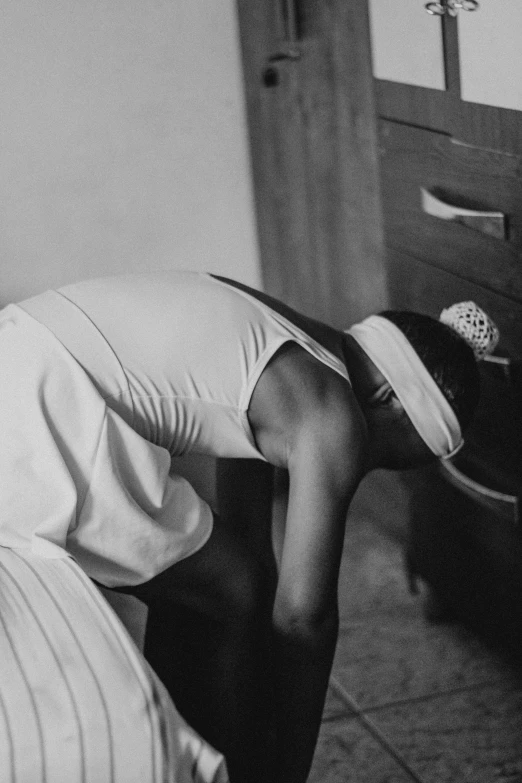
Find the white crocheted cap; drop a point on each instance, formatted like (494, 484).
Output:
(474, 325)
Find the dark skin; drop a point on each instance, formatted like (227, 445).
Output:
(328, 435)
(308, 420)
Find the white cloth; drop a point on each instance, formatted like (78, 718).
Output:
(78, 702)
(189, 348)
(426, 406)
(121, 374)
(75, 476)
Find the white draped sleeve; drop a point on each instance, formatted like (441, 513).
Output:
(77, 478)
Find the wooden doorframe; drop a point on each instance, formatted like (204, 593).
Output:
(314, 158)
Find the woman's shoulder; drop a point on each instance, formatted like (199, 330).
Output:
(298, 394)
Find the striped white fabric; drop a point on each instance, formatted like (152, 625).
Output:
(78, 702)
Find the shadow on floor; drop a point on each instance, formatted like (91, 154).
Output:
(409, 699)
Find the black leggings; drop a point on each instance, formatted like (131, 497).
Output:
(208, 640)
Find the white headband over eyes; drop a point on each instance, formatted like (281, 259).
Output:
(421, 398)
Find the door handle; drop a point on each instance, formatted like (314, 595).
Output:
(450, 7)
(289, 19)
(487, 222)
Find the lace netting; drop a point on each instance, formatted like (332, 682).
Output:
(474, 325)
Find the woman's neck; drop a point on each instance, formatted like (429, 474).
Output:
(363, 374)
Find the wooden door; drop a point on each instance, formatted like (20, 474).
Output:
(452, 204)
(312, 130)
(452, 110)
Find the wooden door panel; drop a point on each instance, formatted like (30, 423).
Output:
(490, 127)
(276, 144)
(313, 146)
(482, 126)
(454, 148)
(412, 159)
(414, 285)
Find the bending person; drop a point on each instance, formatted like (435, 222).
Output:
(103, 381)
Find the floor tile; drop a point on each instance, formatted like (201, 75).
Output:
(372, 576)
(383, 499)
(387, 651)
(439, 706)
(384, 659)
(473, 736)
(336, 707)
(348, 753)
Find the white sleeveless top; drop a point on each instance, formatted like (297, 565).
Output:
(187, 351)
(101, 383)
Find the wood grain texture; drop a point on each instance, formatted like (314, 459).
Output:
(411, 159)
(415, 285)
(313, 145)
(467, 155)
(479, 125)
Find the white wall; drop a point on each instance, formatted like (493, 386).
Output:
(490, 54)
(407, 43)
(123, 142)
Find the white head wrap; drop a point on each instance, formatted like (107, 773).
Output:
(421, 398)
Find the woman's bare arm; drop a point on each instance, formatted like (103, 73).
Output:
(306, 418)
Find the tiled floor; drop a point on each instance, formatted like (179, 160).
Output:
(409, 700)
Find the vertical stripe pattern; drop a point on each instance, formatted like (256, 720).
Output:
(78, 702)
